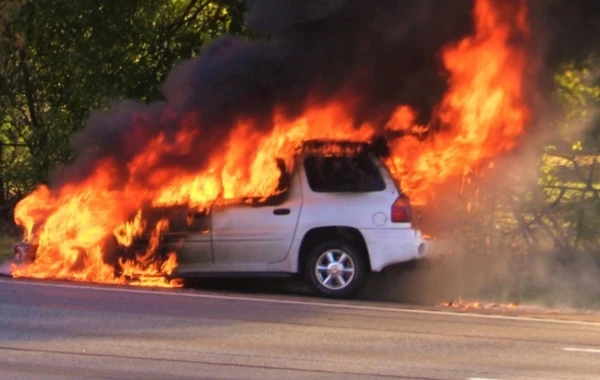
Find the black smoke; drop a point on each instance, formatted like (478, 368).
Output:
(386, 52)
(566, 29)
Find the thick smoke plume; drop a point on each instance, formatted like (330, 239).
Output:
(383, 55)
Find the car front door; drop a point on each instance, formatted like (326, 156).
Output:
(189, 236)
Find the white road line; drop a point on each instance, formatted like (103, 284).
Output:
(589, 350)
(480, 378)
(300, 303)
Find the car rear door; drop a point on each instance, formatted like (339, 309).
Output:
(257, 234)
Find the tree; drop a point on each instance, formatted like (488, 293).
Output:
(60, 60)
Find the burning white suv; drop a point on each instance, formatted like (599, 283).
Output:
(337, 215)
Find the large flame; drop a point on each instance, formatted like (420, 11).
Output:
(481, 116)
(483, 112)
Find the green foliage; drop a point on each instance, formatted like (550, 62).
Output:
(570, 176)
(527, 230)
(578, 95)
(62, 59)
(6, 243)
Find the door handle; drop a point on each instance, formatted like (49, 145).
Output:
(281, 211)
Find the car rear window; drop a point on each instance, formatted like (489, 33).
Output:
(337, 174)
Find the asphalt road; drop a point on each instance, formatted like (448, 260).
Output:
(59, 330)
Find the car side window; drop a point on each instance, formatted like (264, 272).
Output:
(343, 174)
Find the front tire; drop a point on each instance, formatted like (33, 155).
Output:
(336, 269)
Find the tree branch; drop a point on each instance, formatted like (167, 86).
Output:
(35, 121)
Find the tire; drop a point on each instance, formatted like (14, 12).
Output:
(348, 266)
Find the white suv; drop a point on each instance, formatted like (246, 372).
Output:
(338, 215)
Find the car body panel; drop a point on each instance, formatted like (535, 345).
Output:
(388, 246)
(188, 234)
(263, 234)
(194, 243)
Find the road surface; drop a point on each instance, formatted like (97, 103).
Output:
(60, 330)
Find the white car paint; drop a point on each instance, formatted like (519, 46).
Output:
(248, 238)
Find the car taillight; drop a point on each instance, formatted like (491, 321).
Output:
(401, 211)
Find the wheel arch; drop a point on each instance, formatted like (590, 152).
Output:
(315, 236)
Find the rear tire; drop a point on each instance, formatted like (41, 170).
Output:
(335, 269)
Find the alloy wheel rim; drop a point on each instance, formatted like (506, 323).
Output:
(335, 269)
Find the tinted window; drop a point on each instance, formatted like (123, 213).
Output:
(343, 174)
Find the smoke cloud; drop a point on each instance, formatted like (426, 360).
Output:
(308, 50)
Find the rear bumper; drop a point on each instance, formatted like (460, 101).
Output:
(394, 246)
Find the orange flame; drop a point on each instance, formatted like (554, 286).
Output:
(466, 306)
(481, 116)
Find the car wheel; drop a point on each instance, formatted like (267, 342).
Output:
(336, 269)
